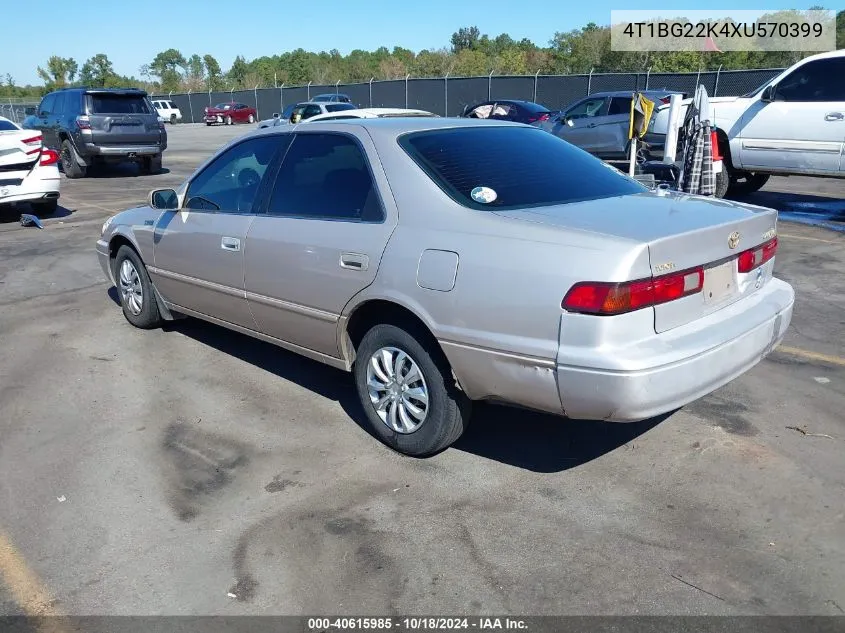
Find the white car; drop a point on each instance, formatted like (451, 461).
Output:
(167, 111)
(29, 172)
(370, 113)
(792, 124)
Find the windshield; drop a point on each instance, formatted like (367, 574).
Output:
(757, 90)
(503, 168)
(223, 106)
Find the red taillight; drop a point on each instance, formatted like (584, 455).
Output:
(33, 142)
(755, 257)
(49, 157)
(607, 298)
(714, 141)
(83, 123)
(539, 119)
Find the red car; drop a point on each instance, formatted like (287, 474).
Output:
(230, 113)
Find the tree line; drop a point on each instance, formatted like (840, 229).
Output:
(470, 53)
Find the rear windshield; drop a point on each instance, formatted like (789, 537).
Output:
(119, 104)
(337, 107)
(5, 126)
(497, 168)
(534, 107)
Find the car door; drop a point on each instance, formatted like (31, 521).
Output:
(320, 240)
(199, 249)
(582, 130)
(56, 119)
(43, 122)
(612, 128)
(803, 128)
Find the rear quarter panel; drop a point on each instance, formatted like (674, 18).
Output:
(499, 325)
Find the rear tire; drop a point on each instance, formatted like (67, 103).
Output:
(399, 354)
(71, 168)
(723, 182)
(151, 164)
(744, 183)
(44, 209)
(135, 290)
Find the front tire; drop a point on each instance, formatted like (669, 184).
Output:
(406, 389)
(723, 183)
(228, 120)
(172, 119)
(251, 119)
(71, 168)
(135, 289)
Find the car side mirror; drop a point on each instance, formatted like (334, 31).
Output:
(768, 94)
(164, 199)
(275, 115)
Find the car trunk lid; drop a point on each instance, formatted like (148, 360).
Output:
(119, 118)
(682, 232)
(19, 151)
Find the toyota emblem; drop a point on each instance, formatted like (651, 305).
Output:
(733, 239)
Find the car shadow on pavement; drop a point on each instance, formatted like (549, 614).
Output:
(823, 207)
(120, 171)
(12, 213)
(526, 439)
(544, 443)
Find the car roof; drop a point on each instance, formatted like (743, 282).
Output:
(628, 93)
(392, 127)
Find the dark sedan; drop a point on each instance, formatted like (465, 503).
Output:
(508, 110)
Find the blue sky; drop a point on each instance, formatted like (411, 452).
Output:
(131, 33)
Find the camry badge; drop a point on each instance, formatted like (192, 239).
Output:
(733, 239)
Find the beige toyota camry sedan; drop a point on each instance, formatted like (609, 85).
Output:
(443, 261)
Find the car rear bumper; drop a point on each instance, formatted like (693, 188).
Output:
(624, 381)
(92, 149)
(704, 356)
(35, 187)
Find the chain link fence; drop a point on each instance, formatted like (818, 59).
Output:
(15, 109)
(448, 96)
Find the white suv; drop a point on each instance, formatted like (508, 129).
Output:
(792, 124)
(167, 111)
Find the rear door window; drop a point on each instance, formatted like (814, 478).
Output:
(325, 176)
(620, 105)
(59, 105)
(119, 104)
(337, 107)
(503, 168)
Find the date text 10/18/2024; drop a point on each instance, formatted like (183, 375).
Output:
(417, 624)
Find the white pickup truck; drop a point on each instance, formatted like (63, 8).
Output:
(793, 124)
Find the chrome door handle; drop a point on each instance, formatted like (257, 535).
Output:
(230, 244)
(834, 116)
(354, 261)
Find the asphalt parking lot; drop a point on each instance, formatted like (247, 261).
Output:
(191, 470)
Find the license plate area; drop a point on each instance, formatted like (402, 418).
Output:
(720, 283)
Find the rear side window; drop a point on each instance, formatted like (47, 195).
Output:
(325, 177)
(620, 105)
(337, 107)
(6, 126)
(119, 104)
(502, 168)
